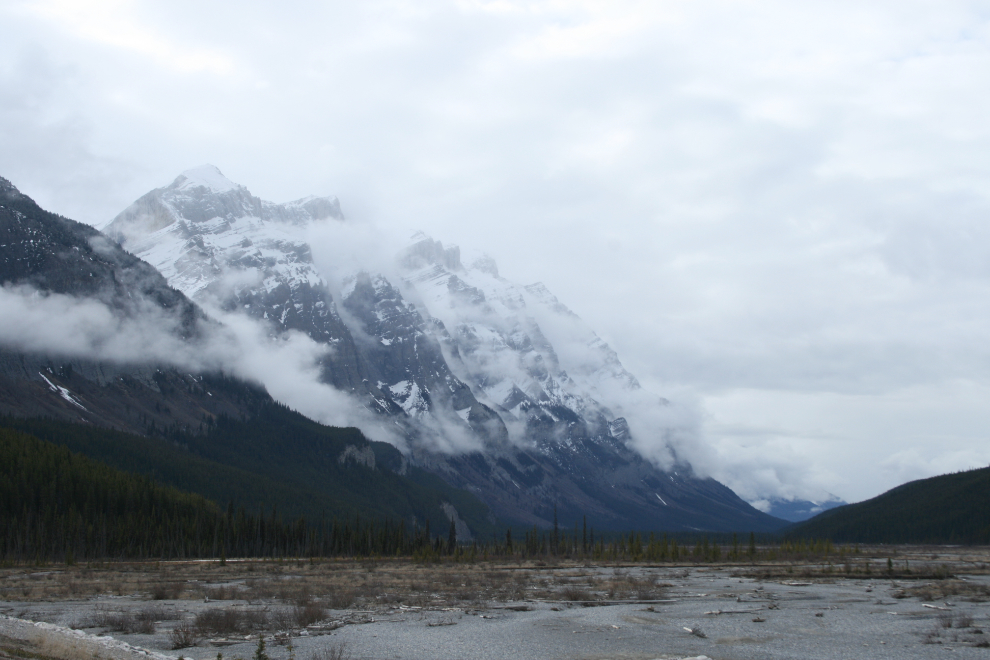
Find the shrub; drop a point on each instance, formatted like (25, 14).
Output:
(219, 620)
(309, 614)
(335, 651)
(183, 636)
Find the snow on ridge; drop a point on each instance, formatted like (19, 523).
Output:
(191, 255)
(206, 176)
(504, 352)
(408, 395)
(63, 392)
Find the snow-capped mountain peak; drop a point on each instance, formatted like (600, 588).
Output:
(497, 387)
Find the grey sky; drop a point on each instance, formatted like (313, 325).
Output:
(777, 211)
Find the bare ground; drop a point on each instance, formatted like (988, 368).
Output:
(902, 602)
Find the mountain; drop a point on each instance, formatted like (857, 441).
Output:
(128, 370)
(800, 510)
(951, 508)
(48, 259)
(456, 364)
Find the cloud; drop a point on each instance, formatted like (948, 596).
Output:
(85, 327)
(112, 24)
(287, 366)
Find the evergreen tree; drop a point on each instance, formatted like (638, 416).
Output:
(584, 536)
(259, 653)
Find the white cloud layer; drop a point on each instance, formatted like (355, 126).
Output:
(59, 324)
(777, 208)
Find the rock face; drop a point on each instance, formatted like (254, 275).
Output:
(456, 358)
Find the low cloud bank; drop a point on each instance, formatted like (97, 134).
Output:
(40, 322)
(287, 366)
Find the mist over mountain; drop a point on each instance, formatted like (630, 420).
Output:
(98, 353)
(496, 387)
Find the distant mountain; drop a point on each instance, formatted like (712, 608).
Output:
(800, 510)
(462, 366)
(91, 340)
(952, 508)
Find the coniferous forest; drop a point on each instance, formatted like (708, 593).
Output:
(950, 508)
(73, 492)
(59, 505)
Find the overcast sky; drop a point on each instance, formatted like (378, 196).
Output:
(774, 211)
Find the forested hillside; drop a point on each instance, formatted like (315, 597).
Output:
(58, 505)
(951, 508)
(277, 459)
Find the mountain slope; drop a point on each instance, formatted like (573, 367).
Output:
(59, 505)
(93, 334)
(951, 508)
(277, 459)
(453, 359)
(54, 270)
(219, 244)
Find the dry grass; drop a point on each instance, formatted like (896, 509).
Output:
(167, 590)
(309, 613)
(227, 621)
(301, 593)
(958, 629)
(942, 589)
(575, 593)
(334, 651)
(142, 621)
(224, 592)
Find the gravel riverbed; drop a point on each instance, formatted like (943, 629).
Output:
(709, 611)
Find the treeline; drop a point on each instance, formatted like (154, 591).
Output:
(584, 543)
(55, 504)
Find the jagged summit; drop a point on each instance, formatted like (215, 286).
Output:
(426, 251)
(204, 200)
(204, 227)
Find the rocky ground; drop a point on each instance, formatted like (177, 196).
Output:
(921, 604)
